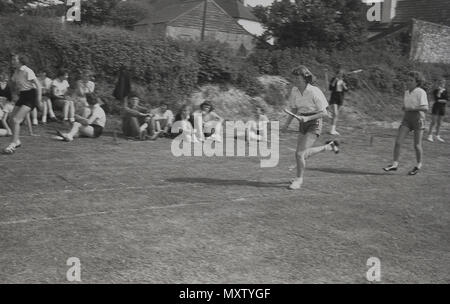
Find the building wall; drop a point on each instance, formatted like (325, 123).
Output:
(430, 42)
(234, 40)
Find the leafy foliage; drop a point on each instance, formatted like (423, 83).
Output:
(313, 23)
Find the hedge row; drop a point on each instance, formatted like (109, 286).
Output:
(168, 70)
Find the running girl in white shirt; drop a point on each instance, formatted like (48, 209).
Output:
(310, 105)
(415, 107)
(28, 87)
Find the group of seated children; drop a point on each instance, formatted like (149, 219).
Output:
(56, 93)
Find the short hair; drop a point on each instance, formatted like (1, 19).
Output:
(134, 95)
(92, 98)
(418, 77)
(23, 59)
(207, 104)
(62, 72)
(303, 71)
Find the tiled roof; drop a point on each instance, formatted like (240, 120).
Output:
(171, 12)
(236, 9)
(437, 11)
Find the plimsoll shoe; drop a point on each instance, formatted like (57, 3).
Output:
(414, 171)
(440, 139)
(296, 184)
(334, 145)
(390, 168)
(430, 138)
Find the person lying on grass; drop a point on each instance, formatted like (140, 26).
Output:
(92, 126)
(136, 121)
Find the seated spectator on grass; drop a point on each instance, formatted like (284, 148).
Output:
(257, 129)
(207, 123)
(46, 84)
(6, 108)
(92, 126)
(60, 87)
(5, 89)
(162, 120)
(136, 121)
(83, 86)
(183, 127)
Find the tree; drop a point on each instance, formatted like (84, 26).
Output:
(314, 23)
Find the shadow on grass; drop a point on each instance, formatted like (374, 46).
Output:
(227, 182)
(346, 171)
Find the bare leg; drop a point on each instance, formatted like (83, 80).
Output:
(438, 125)
(50, 108)
(335, 115)
(34, 115)
(418, 136)
(45, 111)
(402, 132)
(20, 115)
(305, 142)
(71, 111)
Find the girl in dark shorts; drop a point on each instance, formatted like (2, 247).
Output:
(415, 107)
(338, 86)
(438, 110)
(309, 103)
(26, 84)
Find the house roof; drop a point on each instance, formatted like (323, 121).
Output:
(171, 12)
(436, 11)
(234, 8)
(237, 9)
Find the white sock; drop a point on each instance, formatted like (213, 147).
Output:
(333, 129)
(419, 165)
(395, 164)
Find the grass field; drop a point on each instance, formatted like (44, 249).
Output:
(131, 212)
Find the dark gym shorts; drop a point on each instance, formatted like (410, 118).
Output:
(439, 108)
(98, 130)
(312, 126)
(337, 98)
(414, 121)
(27, 98)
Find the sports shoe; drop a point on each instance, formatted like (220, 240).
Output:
(390, 168)
(334, 132)
(334, 145)
(439, 138)
(414, 171)
(11, 148)
(65, 136)
(296, 184)
(430, 138)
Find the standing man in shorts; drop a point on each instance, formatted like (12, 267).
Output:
(310, 105)
(26, 84)
(415, 107)
(438, 110)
